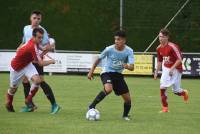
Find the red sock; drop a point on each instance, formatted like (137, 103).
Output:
(163, 97)
(9, 99)
(31, 94)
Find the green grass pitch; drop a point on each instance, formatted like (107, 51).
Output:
(74, 93)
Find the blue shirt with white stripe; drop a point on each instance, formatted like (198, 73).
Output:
(114, 59)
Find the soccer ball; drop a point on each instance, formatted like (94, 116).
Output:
(93, 115)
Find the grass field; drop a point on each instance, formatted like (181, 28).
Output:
(73, 94)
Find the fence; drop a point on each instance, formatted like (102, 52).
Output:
(81, 62)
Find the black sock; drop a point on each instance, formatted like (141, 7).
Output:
(98, 98)
(48, 92)
(27, 87)
(127, 107)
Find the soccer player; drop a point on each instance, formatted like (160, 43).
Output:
(36, 18)
(118, 57)
(170, 54)
(21, 65)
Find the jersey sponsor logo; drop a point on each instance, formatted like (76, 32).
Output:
(116, 63)
(109, 81)
(166, 59)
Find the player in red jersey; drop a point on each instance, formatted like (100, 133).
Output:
(21, 65)
(170, 54)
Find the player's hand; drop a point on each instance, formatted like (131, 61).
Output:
(170, 72)
(90, 76)
(125, 66)
(53, 61)
(47, 48)
(155, 75)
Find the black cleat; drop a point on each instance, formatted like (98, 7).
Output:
(10, 108)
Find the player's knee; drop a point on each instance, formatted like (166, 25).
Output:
(128, 101)
(13, 89)
(42, 78)
(25, 80)
(107, 90)
(36, 80)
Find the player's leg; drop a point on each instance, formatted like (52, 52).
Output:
(15, 78)
(50, 95)
(120, 88)
(163, 97)
(176, 88)
(107, 82)
(47, 90)
(33, 90)
(32, 74)
(26, 85)
(127, 105)
(165, 82)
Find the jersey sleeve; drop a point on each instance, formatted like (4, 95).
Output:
(160, 57)
(104, 53)
(131, 57)
(176, 52)
(23, 38)
(45, 38)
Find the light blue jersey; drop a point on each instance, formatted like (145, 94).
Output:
(27, 35)
(115, 59)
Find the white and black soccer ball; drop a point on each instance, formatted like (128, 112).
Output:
(93, 115)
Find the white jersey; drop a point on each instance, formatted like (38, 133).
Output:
(27, 35)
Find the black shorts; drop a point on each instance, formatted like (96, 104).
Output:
(117, 80)
(39, 68)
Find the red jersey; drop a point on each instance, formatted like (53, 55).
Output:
(169, 54)
(25, 55)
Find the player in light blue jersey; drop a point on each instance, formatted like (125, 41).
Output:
(35, 18)
(117, 58)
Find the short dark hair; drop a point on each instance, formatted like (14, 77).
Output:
(165, 32)
(37, 12)
(121, 33)
(37, 30)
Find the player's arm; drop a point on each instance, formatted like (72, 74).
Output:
(130, 65)
(23, 42)
(42, 62)
(176, 64)
(159, 65)
(96, 62)
(46, 62)
(178, 56)
(39, 60)
(90, 74)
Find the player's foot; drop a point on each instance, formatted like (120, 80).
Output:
(91, 107)
(186, 96)
(164, 110)
(55, 108)
(10, 108)
(27, 109)
(126, 118)
(33, 106)
(30, 107)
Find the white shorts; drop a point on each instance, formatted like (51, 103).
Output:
(15, 76)
(174, 80)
